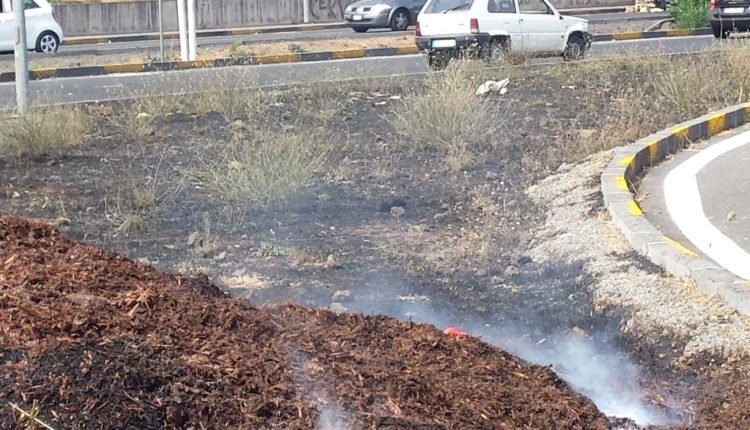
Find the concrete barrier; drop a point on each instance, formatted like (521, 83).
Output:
(141, 16)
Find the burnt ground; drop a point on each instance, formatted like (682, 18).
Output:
(453, 256)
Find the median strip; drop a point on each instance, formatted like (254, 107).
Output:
(628, 165)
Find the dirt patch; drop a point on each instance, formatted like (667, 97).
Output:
(97, 341)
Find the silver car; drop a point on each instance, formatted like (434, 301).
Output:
(394, 14)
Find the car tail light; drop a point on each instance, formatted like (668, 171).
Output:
(474, 25)
(417, 30)
(712, 5)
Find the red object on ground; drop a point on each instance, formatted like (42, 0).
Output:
(452, 331)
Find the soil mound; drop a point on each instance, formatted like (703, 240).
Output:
(92, 340)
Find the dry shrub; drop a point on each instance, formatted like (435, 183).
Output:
(636, 95)
(445, 113)
(139, 118)
(262, 165)
(44, 132)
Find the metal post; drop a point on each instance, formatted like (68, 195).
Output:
(19, 47)
(306, 11)
(192, 43)
(182, 29)
(161, 33)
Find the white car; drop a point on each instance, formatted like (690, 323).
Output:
(492, 28)
(43, 33)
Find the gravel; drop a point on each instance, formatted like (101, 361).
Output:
(658, 305)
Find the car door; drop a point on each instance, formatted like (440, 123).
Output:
(543, 30)
(6, 28)
(502, 16)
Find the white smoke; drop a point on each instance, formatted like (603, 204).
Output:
(602, 374)
(330, 418)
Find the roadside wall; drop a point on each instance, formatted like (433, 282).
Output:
(141, 16)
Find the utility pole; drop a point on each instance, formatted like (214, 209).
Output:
(306, 11)
(19, 48)
(182, 29)
(192, 43)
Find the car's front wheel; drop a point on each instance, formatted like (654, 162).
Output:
(719, 32)
(575, 49)
(48, 43)
(400, 20)
(360, 29)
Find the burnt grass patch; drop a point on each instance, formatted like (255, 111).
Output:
(384, 226)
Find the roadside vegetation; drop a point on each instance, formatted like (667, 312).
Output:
(232, 158)
(689, 13)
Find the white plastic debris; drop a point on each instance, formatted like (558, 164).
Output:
(493, 87)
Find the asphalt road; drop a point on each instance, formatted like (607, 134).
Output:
(707, 210)
(292, 36)
(100, 88)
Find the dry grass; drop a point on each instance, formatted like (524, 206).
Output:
(644, 94)
(445, 114)
(262, 165)
(44, 132)
(230, 97)
(140, 117)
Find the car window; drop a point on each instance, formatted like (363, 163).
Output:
(445, 6)
(534, 6)
(501, 6)
(30, 4)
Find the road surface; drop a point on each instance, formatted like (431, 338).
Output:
(108, 87)
(700, 199)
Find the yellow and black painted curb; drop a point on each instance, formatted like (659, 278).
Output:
(629, 164)
(203, 33)
(636, 35)
(219, 62)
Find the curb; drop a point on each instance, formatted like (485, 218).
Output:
(204, 33)
(75, 72)
(635, 35)
(629, 163)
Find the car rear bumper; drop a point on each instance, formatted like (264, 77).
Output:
(463, 41)
(730, 22)
(379, 20)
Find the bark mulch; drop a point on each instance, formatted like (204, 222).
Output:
(93, 340)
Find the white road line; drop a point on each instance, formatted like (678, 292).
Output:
(684, 204)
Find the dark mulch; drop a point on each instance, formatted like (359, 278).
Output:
(98, 341)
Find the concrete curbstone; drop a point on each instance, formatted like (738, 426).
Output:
(629, 163)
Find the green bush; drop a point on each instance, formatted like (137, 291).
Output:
(690, 13)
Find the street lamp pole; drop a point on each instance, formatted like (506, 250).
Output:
(19, 48)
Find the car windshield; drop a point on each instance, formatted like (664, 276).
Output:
(443, 6)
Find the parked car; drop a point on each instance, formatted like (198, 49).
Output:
(726, 16)
(394, 14)
(493, 28)
(43, 33)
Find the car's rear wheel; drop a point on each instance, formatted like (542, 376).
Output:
(575, 49)
(719, 32)
(48, 43)
(360, 29)
(495, 52)
(438, 60)
(400, 20)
